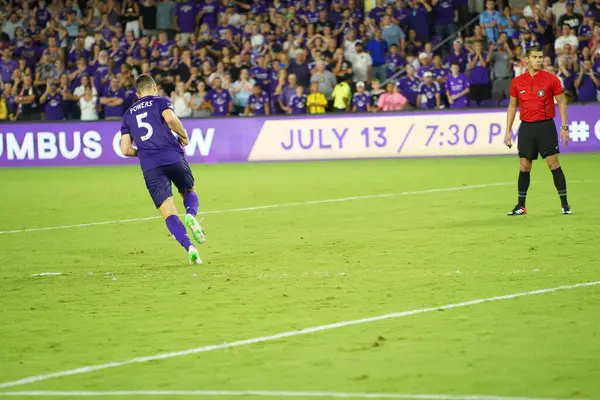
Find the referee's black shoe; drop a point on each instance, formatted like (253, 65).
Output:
(518, 210)
(566, 209)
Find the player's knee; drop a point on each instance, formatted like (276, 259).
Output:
(554, 164)
(525, 166)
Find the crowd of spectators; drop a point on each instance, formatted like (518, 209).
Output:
(78, 59)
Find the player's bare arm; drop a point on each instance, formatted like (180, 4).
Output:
(564, 126)
(127, 146)
(510, 119)
(176, 126)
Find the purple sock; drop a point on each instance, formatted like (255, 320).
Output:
(190, 201)
(178, 231)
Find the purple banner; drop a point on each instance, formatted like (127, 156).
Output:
(218, 140)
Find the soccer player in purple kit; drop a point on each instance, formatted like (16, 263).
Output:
(457, 87)
(149, 123)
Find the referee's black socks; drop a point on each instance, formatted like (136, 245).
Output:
(561, 185)
(524, 179)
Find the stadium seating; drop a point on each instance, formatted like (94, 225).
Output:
(78, 59)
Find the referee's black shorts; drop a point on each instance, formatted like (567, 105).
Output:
(538, 137)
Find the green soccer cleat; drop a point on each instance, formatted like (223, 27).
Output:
(194, 255)
(194, 225)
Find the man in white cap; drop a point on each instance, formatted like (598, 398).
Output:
(429, 92)
(424, 65)
(361, 102)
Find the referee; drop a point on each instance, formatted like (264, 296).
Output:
(535, 91)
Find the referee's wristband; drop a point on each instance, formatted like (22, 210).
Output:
(565, 127)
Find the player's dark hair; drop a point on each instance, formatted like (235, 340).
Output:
(532, 49)
(144, 83)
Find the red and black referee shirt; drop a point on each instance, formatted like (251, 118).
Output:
(536, 95)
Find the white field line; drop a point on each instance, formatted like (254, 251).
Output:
(266, 207)
(264, 393)
(262, 339)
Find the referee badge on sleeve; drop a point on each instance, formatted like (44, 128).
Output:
(541, 93)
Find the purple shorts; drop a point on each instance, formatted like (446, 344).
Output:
(158, 180)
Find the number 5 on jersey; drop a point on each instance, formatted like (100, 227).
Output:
(144, 125)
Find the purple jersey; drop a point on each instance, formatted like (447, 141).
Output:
(54, 107)
(220, 101)
(356, 15)
(150, 132)
(163, 48)
(6, 69)
(42, 16)
(30, 53)
(455, 85)
(429, 91)
(312, 16)
(440, 72)
(443, 12)
(211, 11)
(100, 73)
(118, 56)
(480, 75)
(393, 63)
(298, 104)
(261, 76)
(114, 111)
(460, 59)
(361, 101)
(186, 16)
(377, 13)
(417, 20)
(75, 55)
(257, 103)
(584, 30)
(423, 69)
(409, 89)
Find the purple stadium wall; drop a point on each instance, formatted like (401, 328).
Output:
(214, 140)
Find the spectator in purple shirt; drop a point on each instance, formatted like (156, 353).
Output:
(457, 56)
(443, 18)
(288, 91)
(220, 99)
(209, 12)
(394, 61)
(185, 19)
(480, 74)
(297, 104)
(29, 51)
(116, 53)
(53, 103)
(457, 87)
(377, 12)
(258, 102)
(78, 72)
(361, 101)
(418, 15)
(164, 44)
(76, 53)
(113, 99)
(587, 83)
(41, 14)
(7, 65)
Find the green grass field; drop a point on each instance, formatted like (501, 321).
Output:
(127, 291)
